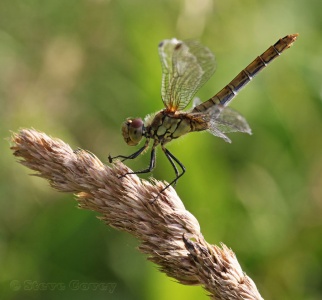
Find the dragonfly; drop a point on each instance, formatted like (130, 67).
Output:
(186, 66)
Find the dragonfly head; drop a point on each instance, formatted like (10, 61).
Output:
(132, 130)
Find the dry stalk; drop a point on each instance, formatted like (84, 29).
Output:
(169, 235)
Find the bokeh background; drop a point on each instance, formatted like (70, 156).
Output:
(77, 69)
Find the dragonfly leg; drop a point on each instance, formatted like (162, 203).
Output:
(172, 158)
(149, 168)
(166, 152)
(132, 156)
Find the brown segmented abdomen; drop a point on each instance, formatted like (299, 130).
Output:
(223, 97)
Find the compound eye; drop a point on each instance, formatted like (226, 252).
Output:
(136, 130)
(136, 123)
(132, 130)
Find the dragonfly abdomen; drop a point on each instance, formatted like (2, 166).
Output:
(223, 97)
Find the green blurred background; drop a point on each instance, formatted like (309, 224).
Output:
(77, 69)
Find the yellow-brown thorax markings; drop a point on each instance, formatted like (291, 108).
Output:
(167, 126)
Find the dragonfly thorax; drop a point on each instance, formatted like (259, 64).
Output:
(132, 131)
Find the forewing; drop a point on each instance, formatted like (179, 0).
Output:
(228, 120)
(186, 66)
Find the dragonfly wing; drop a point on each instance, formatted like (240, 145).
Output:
(216, 132)
(196, 101)
(227, 120)
(186, 66)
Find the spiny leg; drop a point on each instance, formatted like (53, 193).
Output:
(166, 152)
(171, 157)
(169, 154)
(132, 156)
(149, 168)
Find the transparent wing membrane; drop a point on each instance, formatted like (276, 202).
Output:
(186, 66)
(228, 120)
